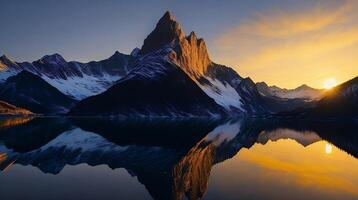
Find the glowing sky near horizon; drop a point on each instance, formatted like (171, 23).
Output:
(282, 42)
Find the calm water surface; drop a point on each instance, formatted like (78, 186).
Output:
(99, 158)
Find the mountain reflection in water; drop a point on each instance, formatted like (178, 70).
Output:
(173, 159)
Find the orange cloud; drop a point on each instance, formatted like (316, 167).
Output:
(275, 46)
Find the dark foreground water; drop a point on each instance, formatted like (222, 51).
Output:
(101, 158)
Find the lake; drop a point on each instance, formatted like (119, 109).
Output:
(110, 158)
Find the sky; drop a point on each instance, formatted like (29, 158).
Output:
(282, 42)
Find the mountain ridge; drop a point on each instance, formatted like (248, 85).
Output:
(303, 92)
(75, 79)
(30, 91)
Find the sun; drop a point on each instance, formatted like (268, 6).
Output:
(329, 83)
(328, 148)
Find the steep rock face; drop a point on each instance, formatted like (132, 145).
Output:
(33, 93)
(7, 62)
(223, 74)
(8, 68)
(166, 32)
(252, 100)
(191, 53)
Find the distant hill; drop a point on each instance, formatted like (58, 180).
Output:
(302, 92)
(340, 101)
(31, 92)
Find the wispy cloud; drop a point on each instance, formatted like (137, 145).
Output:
(275, 45)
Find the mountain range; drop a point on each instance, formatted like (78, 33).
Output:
(171, 75)
(302, 92)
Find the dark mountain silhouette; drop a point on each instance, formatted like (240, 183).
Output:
(31, 92)
(339, 102)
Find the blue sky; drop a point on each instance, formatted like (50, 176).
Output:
(88, 29)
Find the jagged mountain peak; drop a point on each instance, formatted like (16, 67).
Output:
(5, 59)
(304, 87)
(192, 36)
(53, 59)
(117, 55)
(135, 52)
(191, 53)
(263, 84)
(167, 31)
(168, 16)
(248, 81)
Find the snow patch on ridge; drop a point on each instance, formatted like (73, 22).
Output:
(151, 65)
(223, 94)
(82, 87)
(4, 74)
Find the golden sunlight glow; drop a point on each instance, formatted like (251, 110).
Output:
(276, 45)
(330, 83)
(328, 148)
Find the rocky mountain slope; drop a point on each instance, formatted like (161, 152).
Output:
(29, 91)
(156, 87)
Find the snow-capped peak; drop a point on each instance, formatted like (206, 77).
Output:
(6, 60)
(55, 59)
(135, 52)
